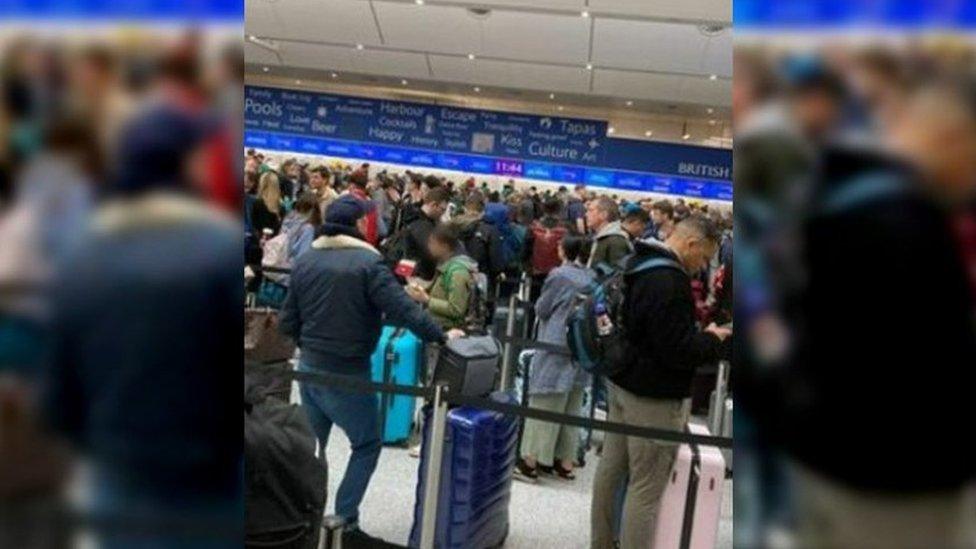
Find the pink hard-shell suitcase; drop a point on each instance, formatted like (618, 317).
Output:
(694, 490)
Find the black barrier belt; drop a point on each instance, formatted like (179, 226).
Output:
(533, 344)
(360, 385)
(597, 425)
(340, 381)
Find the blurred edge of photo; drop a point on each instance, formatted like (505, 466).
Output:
(855, 176)
(120, 199)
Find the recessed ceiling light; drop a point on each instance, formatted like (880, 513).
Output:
(710, 110)
(477, 89)
(585, 13)
(298, 81)
(713, 77)
(711, 122)
(334, 75)
(630, 103)
(251, 37)
(360, 46)
(419, 2)
(560, 107)
(265, 69)
(589, 66)
(648, 133)
(611, 129)
(404, 82)
(686, 136)
(471, 56)
(552, 96)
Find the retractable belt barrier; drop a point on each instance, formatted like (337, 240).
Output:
(351, 383)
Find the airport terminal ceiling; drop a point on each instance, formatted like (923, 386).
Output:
(658, 72)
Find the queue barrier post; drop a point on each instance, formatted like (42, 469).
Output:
(717, 400)
(331, 536)
(435, 455)
(508, 351)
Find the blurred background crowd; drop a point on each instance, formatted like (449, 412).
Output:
(120, 284)
(855, 175)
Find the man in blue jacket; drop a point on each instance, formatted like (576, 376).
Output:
(340, 296)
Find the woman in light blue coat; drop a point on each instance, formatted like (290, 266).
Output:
(555, 381)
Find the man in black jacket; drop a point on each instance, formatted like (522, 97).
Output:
(340, 295)
(417, 233)
(664, 349)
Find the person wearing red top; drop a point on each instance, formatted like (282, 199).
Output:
(357, 188)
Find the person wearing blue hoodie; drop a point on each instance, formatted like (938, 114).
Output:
(340, 295)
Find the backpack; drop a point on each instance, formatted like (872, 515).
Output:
(476, 316)
(394, 248)
(276, 256)
(478, 247)
(545, 247)
(513, 242)
(604, 355)
(284, 483)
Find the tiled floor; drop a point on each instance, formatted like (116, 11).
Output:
(550, 515)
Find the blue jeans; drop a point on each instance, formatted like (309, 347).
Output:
(357, 414)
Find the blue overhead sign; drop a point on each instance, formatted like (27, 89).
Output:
(669, 158)
(227, 11)
(505, 167)
(429, 127)
(814, 15)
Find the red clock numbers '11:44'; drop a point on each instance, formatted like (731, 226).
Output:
(509, 167)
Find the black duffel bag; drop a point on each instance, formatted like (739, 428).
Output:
(284, 483)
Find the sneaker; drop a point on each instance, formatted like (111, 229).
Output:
(525, 473)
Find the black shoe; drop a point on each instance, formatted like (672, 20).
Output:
(545, 469)
(524, 472)
(357, 539)
(561, 472)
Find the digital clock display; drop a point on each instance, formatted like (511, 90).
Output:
(509, 167)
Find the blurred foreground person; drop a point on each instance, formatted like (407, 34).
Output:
(867, 365)
(144, 371)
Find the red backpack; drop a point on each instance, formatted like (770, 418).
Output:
(545, 247)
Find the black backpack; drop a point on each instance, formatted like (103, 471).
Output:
(284, 483)
(605, 354)
(477, 245)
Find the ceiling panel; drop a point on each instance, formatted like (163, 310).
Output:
(503, 34)
(505, 74)
(638, 86)
(709, 10)
(717, 94)
(406, 65)
(349, 21)
(533, 4)
(255, 54)
(642, 45)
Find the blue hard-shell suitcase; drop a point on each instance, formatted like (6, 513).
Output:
(396, 359)
(476, 478)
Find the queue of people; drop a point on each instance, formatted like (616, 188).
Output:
(431, 255)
